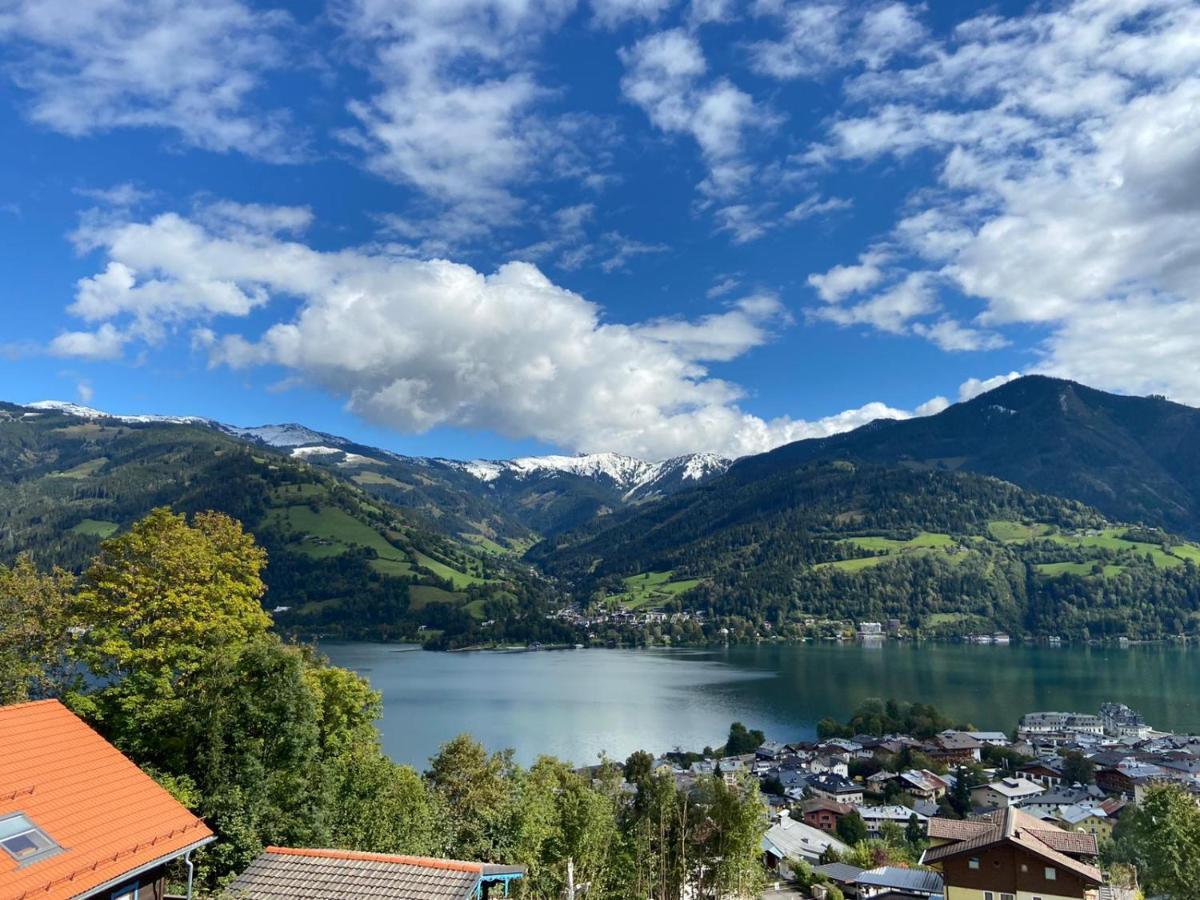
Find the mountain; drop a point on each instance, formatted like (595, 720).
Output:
(770, 552)
(342, 561)
(504, 501)
(1133, 458)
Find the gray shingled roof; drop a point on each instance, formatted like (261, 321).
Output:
(281, 874)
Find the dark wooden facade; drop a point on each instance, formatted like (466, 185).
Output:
(1004, 868)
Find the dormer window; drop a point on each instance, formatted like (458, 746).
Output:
(24, 841)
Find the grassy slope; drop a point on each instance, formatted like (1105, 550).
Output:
(652, 589)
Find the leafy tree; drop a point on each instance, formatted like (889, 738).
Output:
(638, 766)
(477, 792)
(34, 632)
(852, 829)
(914, 833)
(1077, 768)
(741, 740)
(1162, 838)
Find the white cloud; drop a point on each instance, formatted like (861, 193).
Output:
(106, 342)
(459, 113)
(973, 387)
(190, 68)
(1067, 149)
(610, 13)
(892, 310)
(84, 391)
(842, 281)
(665, 75)
(815, 206)
(819, 37)
(415, 344)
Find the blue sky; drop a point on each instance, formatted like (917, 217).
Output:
(493, 227)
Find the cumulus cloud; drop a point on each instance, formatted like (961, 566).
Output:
(416, 344)
(665, 75)
(973, 387)
(190, 68)
(458, 112)
(610, 13)
(1067, 143)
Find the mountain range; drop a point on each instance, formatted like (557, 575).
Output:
(1042, 504)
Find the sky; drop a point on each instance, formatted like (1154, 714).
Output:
(486, 228)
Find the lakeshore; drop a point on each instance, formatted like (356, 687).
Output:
(575, 704)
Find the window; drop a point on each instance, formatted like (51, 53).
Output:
(988, 895)
(1007, 897)
(973, 862)
(24, 841)
(129, 892)
(1051, 873)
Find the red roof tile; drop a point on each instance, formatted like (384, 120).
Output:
(108, 816)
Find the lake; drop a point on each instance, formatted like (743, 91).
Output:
(574, 704)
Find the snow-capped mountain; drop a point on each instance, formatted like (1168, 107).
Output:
(287, 435)
(86, 412)
(634, 478)
(547, 494)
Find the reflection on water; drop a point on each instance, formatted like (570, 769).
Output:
(576, 704)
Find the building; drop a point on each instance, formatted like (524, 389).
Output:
(835, 787)
(1005, 792)
(281, 873)
(894, 880)
(955, 748)
(823, 813)
(923, 784)
(1122, 722)
(789, 839)
(1051, 723)
(77, 818)
(1011, 855)
(875, 816)
(995, 738)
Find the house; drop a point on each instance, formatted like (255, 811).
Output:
(954, 748)
(1057, 723)
(1009, 854)
(823, 813)
(77, 818)
(1049, 802)
(789, 839)
(995, 738)
(1090, 818)
(282, 873)
(843, 875)
(923, 784)
(835, 787)
(1005, 792)
(1046, 772)
(875, 816)
(771, 750)
(1121, 722)
(896, 880)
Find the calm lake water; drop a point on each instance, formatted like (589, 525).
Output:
(574, 704)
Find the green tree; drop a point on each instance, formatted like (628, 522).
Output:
(380, 806)
(1077, 768)
(1162, 838)
(914, 832)
(34, 632)
(852, 829)
(477, 792)
(741, 740)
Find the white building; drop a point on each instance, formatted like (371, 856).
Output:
(1005, 792)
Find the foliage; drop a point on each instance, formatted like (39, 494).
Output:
(34, 636)
(1077, 768)
(877, 718)
(741, 740)
(852, 829)
(1161, 837)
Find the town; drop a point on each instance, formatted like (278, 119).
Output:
(980, 813)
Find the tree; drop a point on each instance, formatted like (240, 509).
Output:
(157, 603)
(157, 599)
(914, 832)
(1162, 838)
(477, 792)
(1077, 768)
(34, 632)
(852, 829)
(742, 740)
(638, 766)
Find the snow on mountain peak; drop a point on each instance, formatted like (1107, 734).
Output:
(286, 435)
(627, 473)
(86, 412)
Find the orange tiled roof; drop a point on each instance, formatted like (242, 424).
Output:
(109, 817)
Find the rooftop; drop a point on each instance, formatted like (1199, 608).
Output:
(282, 873)
(101, 816)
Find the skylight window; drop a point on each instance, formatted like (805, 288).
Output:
(24, 841)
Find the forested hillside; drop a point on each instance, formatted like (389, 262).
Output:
(944, 552)
(342, 562)
(1133, 458)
